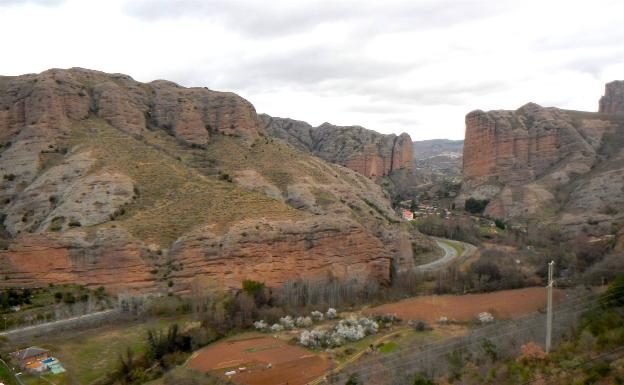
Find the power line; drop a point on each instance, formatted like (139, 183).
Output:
(573, 302)
(449, 343)
(442, 350)
(471, 343)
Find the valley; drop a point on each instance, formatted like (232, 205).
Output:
(223, 245)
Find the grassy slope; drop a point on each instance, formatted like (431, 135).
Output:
(282, 166)
(93, 354)
(172, 197)
(6, 376)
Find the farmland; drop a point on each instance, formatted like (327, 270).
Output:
(503, 304)
(266, 360)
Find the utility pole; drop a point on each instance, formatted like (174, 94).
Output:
(549, 309)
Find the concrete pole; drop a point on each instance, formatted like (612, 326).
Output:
(549, 310)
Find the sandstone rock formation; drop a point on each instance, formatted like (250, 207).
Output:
(613, 99)
(368, 152)
(108, 181)
(547, 164)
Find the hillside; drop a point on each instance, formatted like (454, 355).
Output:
(439, 158)
(549, 165)
(368, 152)
(148, 186)
(424, 149)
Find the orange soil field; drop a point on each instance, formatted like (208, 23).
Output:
(503, 304)
(291, 365)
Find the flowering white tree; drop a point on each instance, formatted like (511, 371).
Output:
(317, 316)
(331, 313)
(261, 325)
(370, 326)
(277, 328)
(350, 329)
(303, 322)
(287, 322)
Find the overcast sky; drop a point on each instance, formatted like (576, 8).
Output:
(392, 66)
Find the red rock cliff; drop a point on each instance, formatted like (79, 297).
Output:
(522, 160)
(108, 181)
(365, 151)
(613, 99)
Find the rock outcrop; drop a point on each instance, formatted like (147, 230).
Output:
(368, 152)
(143, 186)
(613, 100)
(547, 164)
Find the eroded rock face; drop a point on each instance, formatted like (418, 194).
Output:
(66, 181)
(67, 195)
(556, 165)
(521, 145)
(613, 99)
(280, 251)
(367, 152)
(109, 258)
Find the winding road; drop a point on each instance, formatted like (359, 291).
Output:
(450, 254)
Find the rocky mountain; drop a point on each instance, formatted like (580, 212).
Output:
(368, 152)
(150, 186)
(549, 165)
(613, 100)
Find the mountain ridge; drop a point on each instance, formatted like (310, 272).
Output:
(151, 186)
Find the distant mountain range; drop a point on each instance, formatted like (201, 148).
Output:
(424, 149)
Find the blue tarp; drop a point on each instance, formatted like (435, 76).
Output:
(57, 368)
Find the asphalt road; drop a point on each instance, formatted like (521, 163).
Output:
(450, 254)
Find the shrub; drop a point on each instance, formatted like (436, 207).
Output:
(252, 287)
(69, 298)
(386, 319)
(421, 379)
(354, 379)
(614, 296)
(475, 206)
(531, 352)
(421, 326)
(331, 313)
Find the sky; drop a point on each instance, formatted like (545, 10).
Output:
(415, 66)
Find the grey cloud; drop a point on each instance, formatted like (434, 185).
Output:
(309, 68)
(45, 3)
(259, 19)
(448, 94)
(594, 64)
(255, 18)
(374, 108)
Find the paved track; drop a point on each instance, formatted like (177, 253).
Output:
(450, 254)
